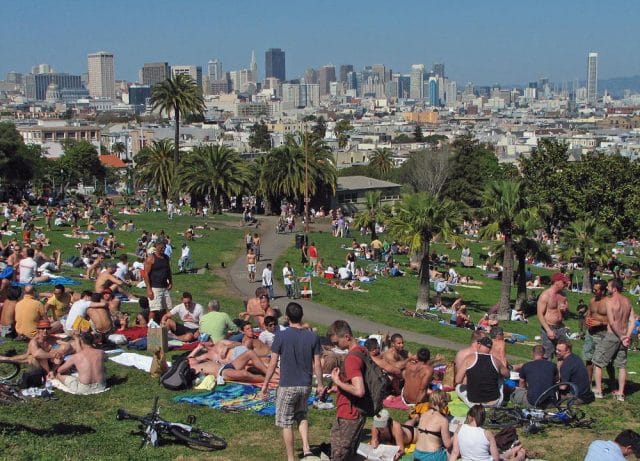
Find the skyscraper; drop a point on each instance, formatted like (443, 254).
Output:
(253, 67)
(416, 81)
(194, 71)
(214, 70)
(438, 69)
(344, 71)
(274, 64)
(434, 96)
(326, 75)
(592, 78)
(154, 72)
(102, 82)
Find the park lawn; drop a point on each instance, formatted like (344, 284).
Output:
(75, 427)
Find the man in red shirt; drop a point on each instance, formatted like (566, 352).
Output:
(349, 384)
(312, 253)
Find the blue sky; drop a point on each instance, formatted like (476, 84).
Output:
(480, 41)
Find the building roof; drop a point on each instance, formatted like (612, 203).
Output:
(112, 161)
(362, 183)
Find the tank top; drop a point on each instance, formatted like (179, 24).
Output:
(473, 444)
(482, 380)
(159, 273)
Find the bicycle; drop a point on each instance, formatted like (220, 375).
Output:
(9, 369)
(152, 427)
(424, 315)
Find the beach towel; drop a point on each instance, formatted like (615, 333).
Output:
(52, 281)
(132, 359)
(236, 397)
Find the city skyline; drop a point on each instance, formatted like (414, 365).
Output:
(494, 43)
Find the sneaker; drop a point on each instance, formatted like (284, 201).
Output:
(598, 395)
(618, 396)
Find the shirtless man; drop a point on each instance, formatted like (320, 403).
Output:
(499, 349)
(471, 349)
(89, 363)
(100, 317)
(8, 312)
(251, 265)
(258, 307)
(107, 279)
(596, 322)
(373, 347)
(550, 313)
(417, 376)
(251, 342)
(615, 343)
(227, 366)
(397, 355)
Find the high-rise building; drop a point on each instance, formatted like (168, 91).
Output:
(194, 71)
(290, 96)
(63, 81)
(41, 69)
(102, 82)
(214, 70)
(155, 72)
(138, 96)
(438, 69)
(274, 64)
(434, 93)
(14, 77)
(592, 78)
(451, 93)
(416, 81)
(326, 75)
(381, 71)
(344, 72)
(253, 67)
(310, 76)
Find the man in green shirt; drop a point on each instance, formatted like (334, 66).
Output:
(215, 323)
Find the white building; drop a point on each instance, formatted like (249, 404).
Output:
(102, 82)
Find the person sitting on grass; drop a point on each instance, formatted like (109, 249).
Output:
(389, 431)
(234, 364)
(89, 364)
(393, 372)
(433, 436)
(258, 308)
(189, 314)
(417, 378)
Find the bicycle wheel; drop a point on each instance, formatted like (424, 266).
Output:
(500, 418)
(199, 440)
(8, 370)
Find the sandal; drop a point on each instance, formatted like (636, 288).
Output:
(618, 396)
(598, 395)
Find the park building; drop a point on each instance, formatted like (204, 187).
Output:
(351, 192)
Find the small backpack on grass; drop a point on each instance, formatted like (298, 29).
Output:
(180, 376)
(376, 384)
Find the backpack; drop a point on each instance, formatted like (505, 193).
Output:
(376, 384)
(180, 376)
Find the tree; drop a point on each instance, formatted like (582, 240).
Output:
(417, 134)
(341, 129)
(369, 217)
(217, 172)
(259, 137)
(320, 128)
(427, 170)
(419, 219)
(381, 161)
(80, 163)
(19, 163)
(118, 148)
(503, 205)
(155, 168)
(402, 139)
(180, 95)
(586, 240)
(434, 139)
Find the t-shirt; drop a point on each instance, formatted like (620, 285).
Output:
(267, 277)
(59, 305)
(190, 318)
(540, 376)
(27, 267)
(353, 367)
(287, 275)
(574, 371)
(344, 273)
(297, 348)
(216, 324)
(28, 312)
(121, 271)
(601, 450)
(78, 309)
(312, 252)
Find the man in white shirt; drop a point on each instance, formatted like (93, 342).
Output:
(79, 309)
(344, 273)
(28, 268)
(189, 313)
(267, 280)
(185, 255)
(122, 268)
(287, 275)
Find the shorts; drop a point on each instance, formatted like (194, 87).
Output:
(345, 438)
(550, 345)
(610, 348)
(440, 455)
(161, 300)
(591, 341)
(76, 387)
(182, 330)
(291, 405)
(251, 267)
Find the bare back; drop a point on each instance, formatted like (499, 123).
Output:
(90, 365)
(619, 313)
(8, 314)
(417, 376)
(101, 319)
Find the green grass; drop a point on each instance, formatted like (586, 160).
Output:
(75, 427)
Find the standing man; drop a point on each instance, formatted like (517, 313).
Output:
(251, 265)
(158, 280)
(349, 384)
(287, 276)
(267, 279)
(596, 323)
(551, 315)
(312, 253)
(572, 370)
(298, 351)
(615, 343)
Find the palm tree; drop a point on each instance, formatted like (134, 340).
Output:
(216, 172)
(381, 161)
(503, 202)
(155, 167)
(420, 218)
(371, 215)
(585, 239)
(118, 148)
(180, 95)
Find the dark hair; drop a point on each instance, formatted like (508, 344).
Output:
(123, 257)
(371, 344)
(339, 328)
(566, 343)
(96, 297)
(617, 284)
(261, 291)
(59, 286)
(477, 413)
(86, 337)
(538, 349)
(496, 331)
(602, 284)
(270, 319)
(87, 293)
(476, 335)
(294, 312)
(30, 252)
(423, 354)
(14, 293)
(187, 295)
(143, 302)
(395, 336)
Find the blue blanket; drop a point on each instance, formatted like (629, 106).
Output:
(236, 397)
(52, 281)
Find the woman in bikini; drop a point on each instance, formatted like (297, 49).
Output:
(433, 430)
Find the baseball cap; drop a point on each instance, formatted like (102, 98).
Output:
(629, 438)
(560, 276)
(381, 419)
(486, 342)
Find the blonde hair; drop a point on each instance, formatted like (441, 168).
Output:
(438, 400)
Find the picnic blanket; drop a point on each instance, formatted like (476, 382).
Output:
(236, 397)
(52, 281)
